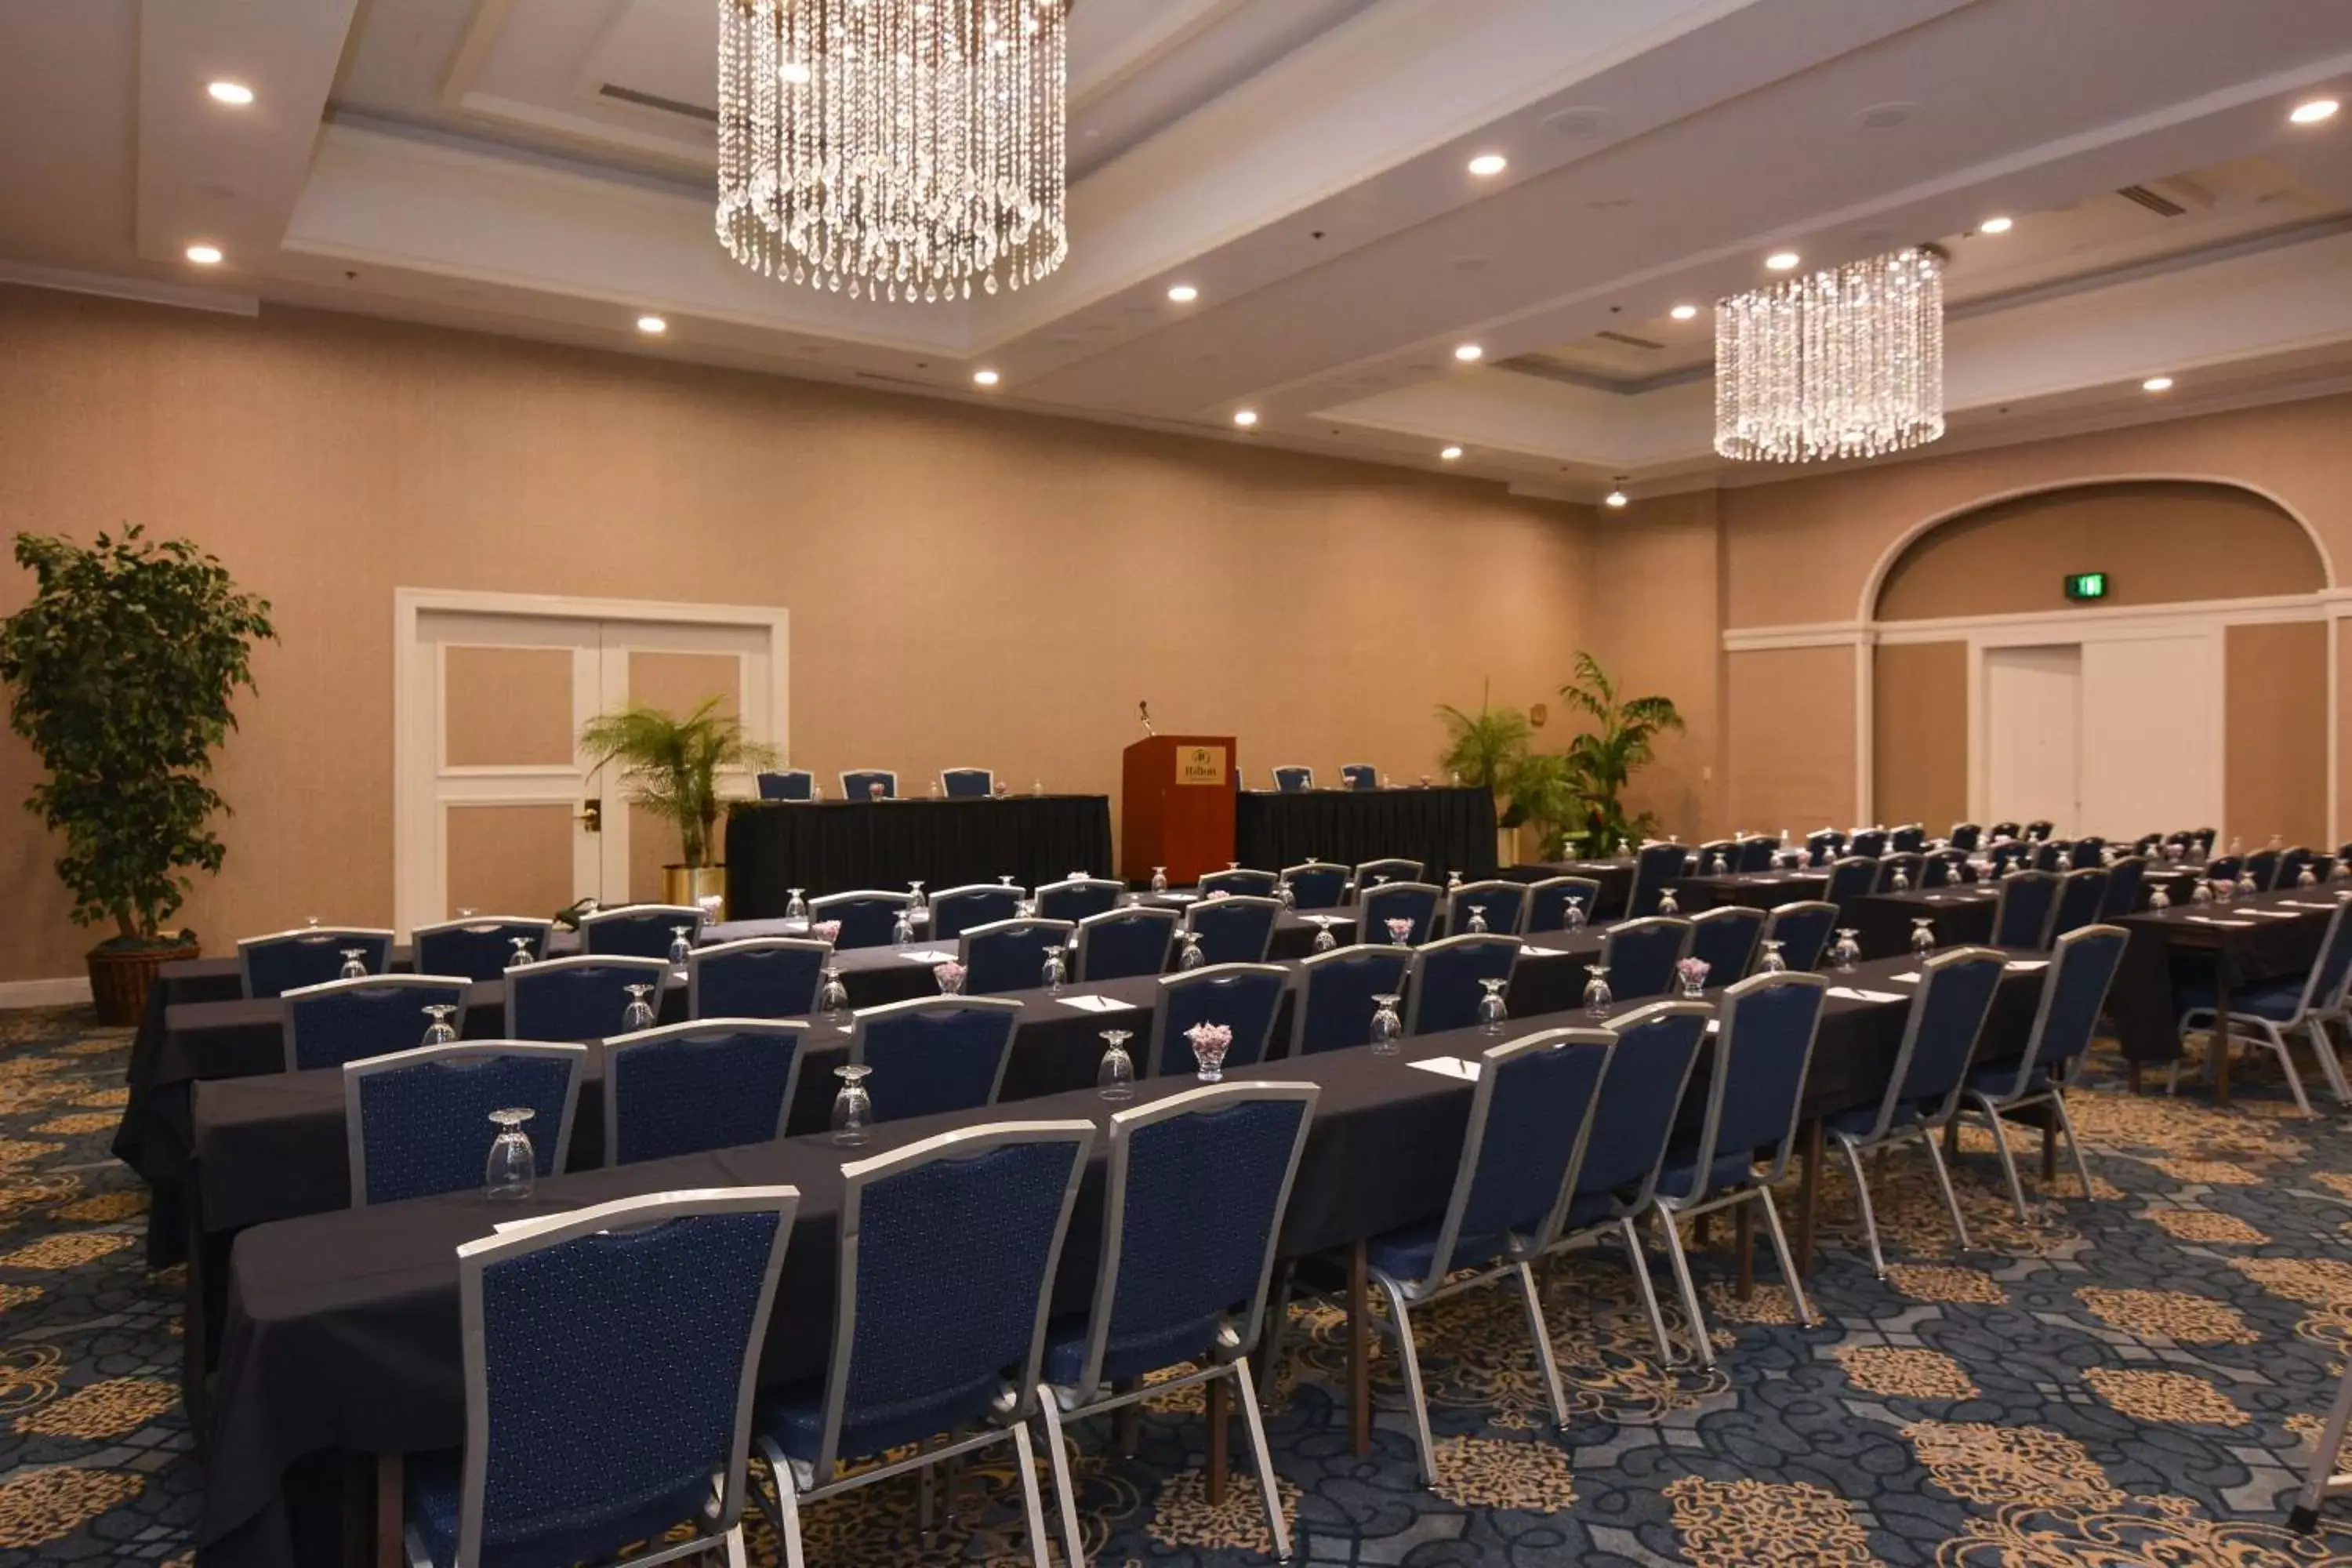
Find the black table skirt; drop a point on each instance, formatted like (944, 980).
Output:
(1444, 829)
(1615, 877)
(2176, 943)
(1961, 917)
(343, 1328)
(839, 847)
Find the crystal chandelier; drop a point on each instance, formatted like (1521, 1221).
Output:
(1848, 362)
(898, 149)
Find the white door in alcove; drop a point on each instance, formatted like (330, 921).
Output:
(2033, 705)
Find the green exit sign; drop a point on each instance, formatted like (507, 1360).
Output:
(2087, 585)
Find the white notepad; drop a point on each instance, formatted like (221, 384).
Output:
(1851, 995)
(1092, 1003)
(1910, 979)
(2027, 965)
(2276, 914)
(1448, 1067)
(928, 955)
(2300, 904)
(2209, 920)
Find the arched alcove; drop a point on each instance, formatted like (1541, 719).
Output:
(2159, 541)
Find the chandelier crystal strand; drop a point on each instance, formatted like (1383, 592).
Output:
(1847, 362)
(897, 148)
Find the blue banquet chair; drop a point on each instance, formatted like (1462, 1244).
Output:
(787, 783)
(2083, 965)
(1124, 943)
(1446, 980)
(579, 999)
(715, 1083)
(1641, 955)
(757, 977)
(1245, 997)
(417, 1122)
(1234, 931)
(966, 784)
(934, 1053)
(288, 960)
(478, 947)
(1332, 993)
(1010, 955)
(338, 1021)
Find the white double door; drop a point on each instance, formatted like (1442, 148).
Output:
(2116, 736)
(498, 810)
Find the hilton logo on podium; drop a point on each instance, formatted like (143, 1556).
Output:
(1201, 765)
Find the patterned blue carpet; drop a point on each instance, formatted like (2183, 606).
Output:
(2129, 1381)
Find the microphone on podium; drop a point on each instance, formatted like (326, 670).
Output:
(1143, 711)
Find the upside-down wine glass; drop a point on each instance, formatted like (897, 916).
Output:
(1491, 1011)
(439, 1033)
(1115, 1080)
(1923, 937)
(1191, 957)
(796, 907)
(354, 965)
(512, 1167)
(639, 1013)
(1597, 999)
(2203, 893)
(853, 1108)
(2158, 898)
(1571, 919)
(681, 948)
(1388, 1027)
(520, 957)
(1324, 940)
(902, 927)
(1159, 878)
(1772, 963)
(1477, 918)
(1667, 904)
(833, 996)
(1848, 951)
(1053, 975)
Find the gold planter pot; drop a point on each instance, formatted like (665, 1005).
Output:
(692, 884)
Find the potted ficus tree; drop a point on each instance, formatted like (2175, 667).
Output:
(671, 766)
(122, 670)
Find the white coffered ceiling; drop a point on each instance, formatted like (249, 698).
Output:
(542, 168)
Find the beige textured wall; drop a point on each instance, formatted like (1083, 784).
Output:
(1800, 552)
(1790, 731)
(1011, 585)
(1653, 608)
(2158, 542)
(1919, 734)
(2275, 695)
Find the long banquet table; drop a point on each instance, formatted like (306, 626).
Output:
(1445, 829)
(837, 846)
(341, 1330)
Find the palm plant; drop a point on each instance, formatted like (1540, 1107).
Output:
(1600, 762)
(671, 765)
(1486, 750)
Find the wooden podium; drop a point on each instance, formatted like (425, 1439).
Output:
(1176, 806)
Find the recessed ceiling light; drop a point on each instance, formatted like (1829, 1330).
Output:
(1246, 417)
(1996, 226)
(1183, 293)
(204, 255)
(985, 377)
(1451, 453)
(2157, 384)
(1781, 261)
(653, 326)
(1469, 353)
(236, 94)
(1683, 312)
(795, 72)
(1488, 164)
(2317, 109)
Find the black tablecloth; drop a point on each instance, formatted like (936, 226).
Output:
(1615, 877)
(1750, 890)
(839, 847)
(1444, 829)
(1963, 917)
(2183, 938)
(342, 1327)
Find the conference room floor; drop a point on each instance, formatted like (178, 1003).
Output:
(2132, 1381)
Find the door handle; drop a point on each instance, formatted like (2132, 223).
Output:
(591, 816)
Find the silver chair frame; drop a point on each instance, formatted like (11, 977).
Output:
(1414, 985)
(988, 776)
(2312, 1016)
(890, 790)
(1282, 877)
(2078, 877)
(786, 773)
(1209, 882)
(1620, 1221)
(1519, 1254)
(864, 1017)
(402, 981)
(1589, 887)
(2049, 916)
(1977, 1102)
(1165, 918)
(1307, 782)
(1729, 915)
(1694, 1204)
(1367, 932)
(796, 1031)
(543, 928)
(1066, 930)
(1647, 922)
(1302, 982)
(818, 908)
(969, 889)
(356, 1072)
(1794, 907)
(1118, 889)
(692, 916)
(1395, 868)
(1882, 1131)
(654, 1208)
(723, 950)
(1348, 769)
(1237, 900)
(2322, 1481)
(1459, 900)
(1184, 979)
(1061, 1404)
(322, 936)
(654, 971)
(823, 1477)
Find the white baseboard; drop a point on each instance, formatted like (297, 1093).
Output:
(64, 992)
